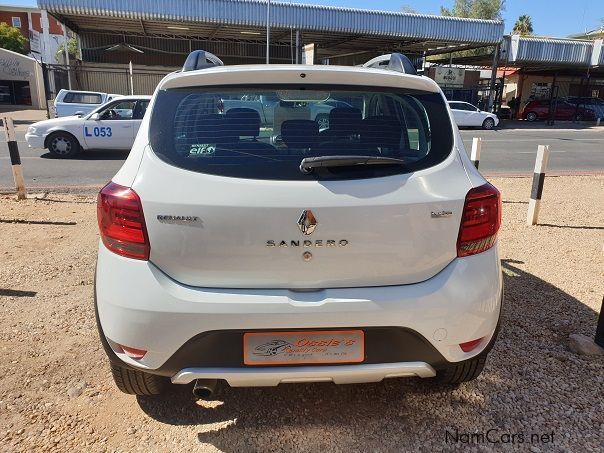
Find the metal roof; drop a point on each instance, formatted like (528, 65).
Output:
(532, 50)
(83, 14)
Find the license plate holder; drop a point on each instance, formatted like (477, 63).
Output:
(304, 347)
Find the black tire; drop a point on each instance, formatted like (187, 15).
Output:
(462, 372)
(63, 145)
(531, 116)
(135, 382)
(488, 123)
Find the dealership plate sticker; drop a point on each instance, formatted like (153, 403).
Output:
(285, 348)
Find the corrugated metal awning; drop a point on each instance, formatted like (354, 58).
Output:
(523, 50)
(252, 13)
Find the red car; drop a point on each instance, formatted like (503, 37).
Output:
(539, 110)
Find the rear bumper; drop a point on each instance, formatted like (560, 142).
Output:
(150, 311)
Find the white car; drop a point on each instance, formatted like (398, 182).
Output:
(353, 254)
(111, 126)
(80, 103)
(467, 115)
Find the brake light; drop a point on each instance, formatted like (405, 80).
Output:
(121, 222)
(470, 345)
(133, 353)
(480, 220)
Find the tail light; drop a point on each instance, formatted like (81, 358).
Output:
(121, 222)
(480, 220)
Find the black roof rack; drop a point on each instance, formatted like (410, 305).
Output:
(393, 62)
(200, 59)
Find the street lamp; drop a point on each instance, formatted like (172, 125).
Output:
(268, 29)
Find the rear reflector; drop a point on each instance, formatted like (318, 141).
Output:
(480, 220)
(133, 353)
(469, 345)
(121, 222)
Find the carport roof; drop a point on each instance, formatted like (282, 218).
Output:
(240, 20)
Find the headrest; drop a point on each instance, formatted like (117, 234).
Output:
(344, 120)
(382, 131)
(300, 133)
(243, 122)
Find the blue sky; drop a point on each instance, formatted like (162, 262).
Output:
(550, 17)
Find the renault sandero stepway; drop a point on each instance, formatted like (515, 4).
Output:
(296, 250)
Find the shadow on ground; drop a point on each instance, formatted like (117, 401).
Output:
(93, 155)
(525, 387)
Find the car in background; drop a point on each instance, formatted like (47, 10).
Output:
(113, 125)
(596, 105)
(468, 115)
(79, 103)
(539, 109)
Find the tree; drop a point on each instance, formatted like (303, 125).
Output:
(475, 9)
(72, 48)
(409, 9)
(12, 39)
(523, 26)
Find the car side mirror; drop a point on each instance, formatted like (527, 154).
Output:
(79, 114)
(95, 117)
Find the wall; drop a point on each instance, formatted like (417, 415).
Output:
(14, 66)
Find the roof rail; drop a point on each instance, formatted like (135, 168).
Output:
(200, 59)
(393, 62)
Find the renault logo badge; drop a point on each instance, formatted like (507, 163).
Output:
(307, 222)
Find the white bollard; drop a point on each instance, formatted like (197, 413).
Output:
(15, 159)
(598, 121)
(538, 180)
(476, 148)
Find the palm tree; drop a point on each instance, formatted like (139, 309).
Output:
(523, 26)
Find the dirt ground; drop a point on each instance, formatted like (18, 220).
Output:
(56, 393)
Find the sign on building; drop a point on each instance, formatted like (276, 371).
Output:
(449, 76)
(34, 41)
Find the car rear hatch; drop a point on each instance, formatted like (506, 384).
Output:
(226, 204)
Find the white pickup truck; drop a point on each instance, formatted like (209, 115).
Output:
(79, 103)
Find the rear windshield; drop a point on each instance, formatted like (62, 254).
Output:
(82, 98)
(263, 132)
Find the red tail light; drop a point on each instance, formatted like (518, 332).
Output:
(121, 222)
(480, 220)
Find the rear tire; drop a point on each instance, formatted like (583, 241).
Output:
(465, 371)
(488, 123)
(63, 145)
(531, 116)
(135, 382)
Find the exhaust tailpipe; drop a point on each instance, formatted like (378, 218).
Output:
(204, 388)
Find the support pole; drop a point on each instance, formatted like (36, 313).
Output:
(15, 159)
(493, 78)
(268, 30)
(476, 148)
(537, 189)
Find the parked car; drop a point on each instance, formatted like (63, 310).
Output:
(468, 115)
(111, 126)
(79, 103)
(539, 110)
(595, 105)
(361, 252)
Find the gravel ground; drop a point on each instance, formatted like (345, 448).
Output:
(56, 393)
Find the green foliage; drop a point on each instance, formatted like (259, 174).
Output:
(72, 48)
(12, 39)
(475, 9)
(523, 26)
(409, 9)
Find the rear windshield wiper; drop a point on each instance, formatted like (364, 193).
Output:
(308, 164)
